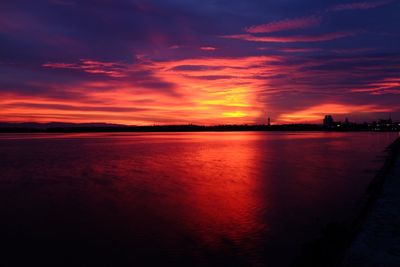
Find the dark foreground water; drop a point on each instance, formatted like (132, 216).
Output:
(177, 199)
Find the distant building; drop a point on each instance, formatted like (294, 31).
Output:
(384, 124)
(269, 121)
(328, 121)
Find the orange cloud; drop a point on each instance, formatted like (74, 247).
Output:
(221, 88)
(208, 91)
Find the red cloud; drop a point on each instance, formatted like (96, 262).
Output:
(387, 85)
(283, 25)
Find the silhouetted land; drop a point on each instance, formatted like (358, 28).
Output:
(102, 127)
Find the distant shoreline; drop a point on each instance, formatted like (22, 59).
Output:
(50, 128)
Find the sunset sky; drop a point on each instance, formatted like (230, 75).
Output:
(202, 62)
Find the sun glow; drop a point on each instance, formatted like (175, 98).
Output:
(236, 114)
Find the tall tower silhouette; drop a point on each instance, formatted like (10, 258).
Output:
(269, 121)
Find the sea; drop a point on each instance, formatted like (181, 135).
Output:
(178, 199)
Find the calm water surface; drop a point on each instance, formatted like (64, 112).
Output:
(178, 199)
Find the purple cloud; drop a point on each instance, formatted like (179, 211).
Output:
(284, 25)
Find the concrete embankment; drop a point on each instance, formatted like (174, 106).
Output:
(377, 242)
(372, 236)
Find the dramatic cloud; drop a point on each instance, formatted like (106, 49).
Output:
(205, 90)
(161, 62)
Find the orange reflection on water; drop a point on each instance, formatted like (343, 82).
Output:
(225, 201)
